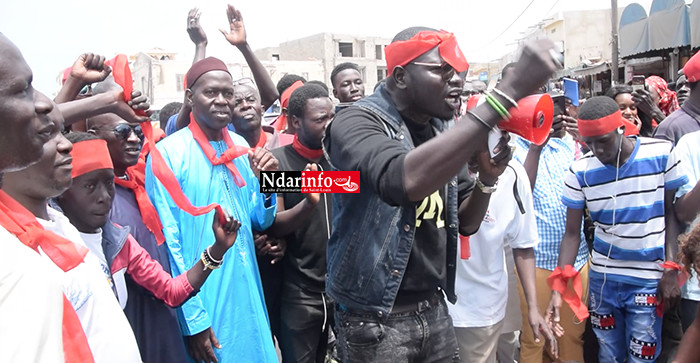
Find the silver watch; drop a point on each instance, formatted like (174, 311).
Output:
(485, 188)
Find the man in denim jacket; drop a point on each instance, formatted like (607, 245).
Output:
(393, 249)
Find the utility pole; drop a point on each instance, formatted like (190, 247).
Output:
(615, 61)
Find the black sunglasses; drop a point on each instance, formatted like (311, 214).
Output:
(445, 69)
(123, 131)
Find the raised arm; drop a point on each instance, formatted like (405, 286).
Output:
(87, 69)
(197, 35)
(434, 162)
(110, 101)
(237, 37)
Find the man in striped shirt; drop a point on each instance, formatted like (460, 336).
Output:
(628, 185)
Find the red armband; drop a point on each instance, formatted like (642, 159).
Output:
(682, 275)
(559, 281)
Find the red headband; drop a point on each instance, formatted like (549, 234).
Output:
(90, 155)
(281, 122)
(601, 126)
(400, 53)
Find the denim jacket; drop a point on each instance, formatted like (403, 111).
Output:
(371, 242)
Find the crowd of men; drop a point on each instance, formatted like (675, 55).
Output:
(122, 242)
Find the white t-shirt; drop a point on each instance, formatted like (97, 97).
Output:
(106, 327)
(117, 281)
(482, 280)
(31, 304)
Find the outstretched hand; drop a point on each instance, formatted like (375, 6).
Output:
(236, 34)
(90, 68)
(194, 29)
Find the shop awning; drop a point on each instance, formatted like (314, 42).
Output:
(584, 69)
(666, 27)
(669, 24)
(634, 30)
(694, 13)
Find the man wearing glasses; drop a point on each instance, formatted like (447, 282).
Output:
(392, 252)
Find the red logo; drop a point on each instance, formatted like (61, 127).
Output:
(310, 182)
(330, 181)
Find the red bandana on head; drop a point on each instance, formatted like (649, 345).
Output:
(668, 102)
(601, 126)
(90, 155)
(402, 52)
(281, 121)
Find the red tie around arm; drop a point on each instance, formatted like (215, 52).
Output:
(559, 281)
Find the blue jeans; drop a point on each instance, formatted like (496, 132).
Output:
(425, 335)
(624, 320)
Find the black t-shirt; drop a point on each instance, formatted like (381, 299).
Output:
(426, 265)
(305, 260)
(359, 142)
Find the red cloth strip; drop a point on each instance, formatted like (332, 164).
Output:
(19, 221)
(163, 173)
(308, 153)
(90, 155)
(148, 212)
(400, 53)
(601, 126)
(281, 121)
(559, 281)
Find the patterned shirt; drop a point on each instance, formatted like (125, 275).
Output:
(627, 206)
(555, 159)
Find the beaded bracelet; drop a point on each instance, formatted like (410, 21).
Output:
(508, 98)
(209, 262)
(496, 105)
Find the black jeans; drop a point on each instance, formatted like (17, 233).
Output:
(425, 335)
(305, 318)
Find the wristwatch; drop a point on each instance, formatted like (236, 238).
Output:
(485, 188)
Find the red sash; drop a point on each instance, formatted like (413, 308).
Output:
(149, 215)
(64, 253)
(163, 173)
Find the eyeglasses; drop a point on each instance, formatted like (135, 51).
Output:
(123, 131)
(445, 69)
(244, 80)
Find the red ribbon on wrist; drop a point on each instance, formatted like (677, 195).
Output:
(558, 281)
(682, 278)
